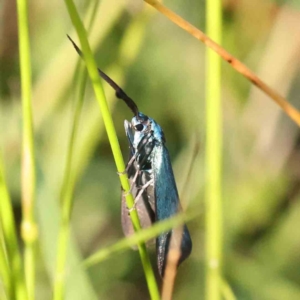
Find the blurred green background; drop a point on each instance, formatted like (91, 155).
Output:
(162, 69)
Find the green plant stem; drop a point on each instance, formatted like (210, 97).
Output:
(227, 292)
(71, 172)
(68, 185)
(213, 155)
(67, 193)
(140, 236)
(128, 51)
(29, 229)
(62, 249)
(5, 270)
(10, 239)
(93, 74)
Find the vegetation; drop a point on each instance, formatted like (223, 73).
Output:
(71, 183)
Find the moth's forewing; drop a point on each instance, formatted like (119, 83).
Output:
(144, 206)
(166, 205)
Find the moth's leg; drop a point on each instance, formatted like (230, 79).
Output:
(131, 161)
(133, 182)
(129, 164)
(143, 188)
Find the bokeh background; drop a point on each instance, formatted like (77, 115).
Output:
(162, 68)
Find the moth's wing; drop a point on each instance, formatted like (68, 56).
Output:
(144, 206)
(167, 204)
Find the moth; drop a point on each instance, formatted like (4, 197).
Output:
(155, 182)
(151, 177)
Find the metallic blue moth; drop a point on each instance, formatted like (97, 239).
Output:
(151, 157)
(151, 177)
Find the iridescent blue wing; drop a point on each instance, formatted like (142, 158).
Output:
(167, 204)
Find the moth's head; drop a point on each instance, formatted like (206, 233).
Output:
(139, 127)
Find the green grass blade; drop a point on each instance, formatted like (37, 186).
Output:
(93, 73)
(140, 236)
(69, 184)
(67, 195)
(213, 155)
(109, 14)
(78, 285)
(227, 292)
(29, 228)
(5, 270)
(10, 239)
(93, 128)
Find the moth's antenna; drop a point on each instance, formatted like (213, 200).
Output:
(119, 92)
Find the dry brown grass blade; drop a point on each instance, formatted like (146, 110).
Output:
(175, 252)
(236, 64)
(172, 264)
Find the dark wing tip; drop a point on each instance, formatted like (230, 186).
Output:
(163, 245)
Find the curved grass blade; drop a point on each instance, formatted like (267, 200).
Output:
(92, 70)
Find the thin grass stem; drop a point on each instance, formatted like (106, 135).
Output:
(6, 279)
(140, 236)
(93, 74)
(68, 185)
(10, 239)
(227, 292)
(67, 195)
(29, 228)
(213, 155)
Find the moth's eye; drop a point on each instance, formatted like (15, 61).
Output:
(139, 127)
